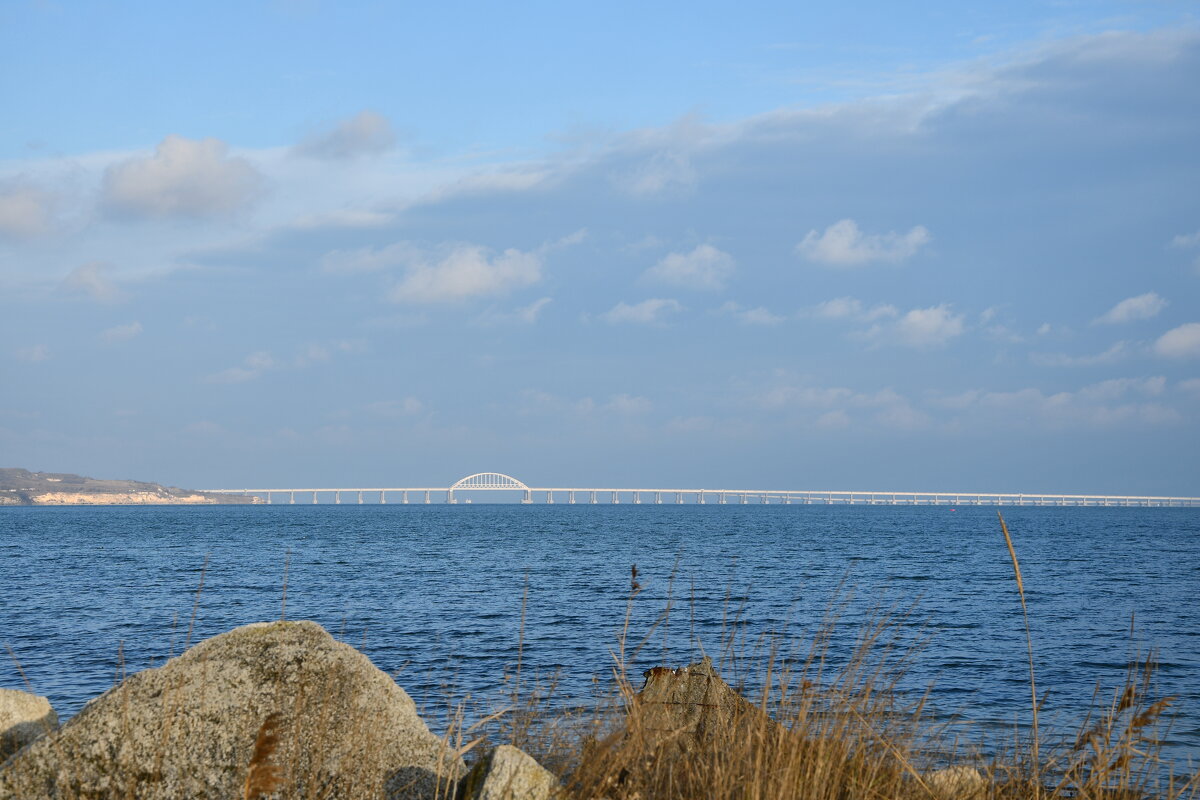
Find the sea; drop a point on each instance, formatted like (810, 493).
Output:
(452, 599)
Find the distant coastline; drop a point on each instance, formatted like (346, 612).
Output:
(20, 487)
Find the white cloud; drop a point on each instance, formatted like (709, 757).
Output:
(467, 271)
(122, 333)
(666, 171)
(750, 316)
(366, 133)
(1101, 405)
(1143, 306)
(525, 315)
(343, 219)
(25, 211)
(33, 353)
(1115, 353)
(252, 366)
(404, 407)
(705, 268)
(928, 327)
(844, 245)
(628, 404)
(1191, 386)
(1181, 342)
(647, 312)
(1186, 240)
(91, 280)
(184, 178)
(852, 309)
(369, 259)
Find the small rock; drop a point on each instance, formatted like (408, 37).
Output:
(508, 773)
(339, 727)
(23, 718)
(957, 783)
(693, 704)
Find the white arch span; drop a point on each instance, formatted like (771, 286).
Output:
(489, 481)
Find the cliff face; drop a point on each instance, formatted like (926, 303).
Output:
(20, 487)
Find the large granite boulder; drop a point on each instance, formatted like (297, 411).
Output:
(693, 705)
(508, 773)
(316, 716)
(23, 718)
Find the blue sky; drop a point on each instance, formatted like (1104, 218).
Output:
(927, 247)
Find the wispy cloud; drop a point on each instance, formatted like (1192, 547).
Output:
(1143, 306)
(92, 280)
(648, 312)
(850, 308)
(367, 133)
(705, 268)
(750, 316)
(122, 333)
(1112, 355)
(844, 245)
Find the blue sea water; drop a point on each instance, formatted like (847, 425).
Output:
(434, 594)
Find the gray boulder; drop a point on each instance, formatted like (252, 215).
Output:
(23, 718)
(508, 773)
(317, 718)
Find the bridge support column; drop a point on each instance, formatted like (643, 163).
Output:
(382, 498)
(658, 498)
(450, 497)
(637, 498)
(314, 502)
(593, 500)
(528, 498)
(426, 497)
(337, 498)
(678, 498)
(616, 499)
(722, 500)
(360, 498)
(700, 497)
(404, 497)
(292, 498)
(268, 498)
(549, 498)
(570, 498)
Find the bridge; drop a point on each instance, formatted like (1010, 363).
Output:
(463, 489)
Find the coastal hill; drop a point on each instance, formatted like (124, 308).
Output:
(20, 487)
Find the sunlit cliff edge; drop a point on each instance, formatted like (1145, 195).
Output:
(20, 487)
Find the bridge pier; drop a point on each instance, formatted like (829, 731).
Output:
(593, 500)
(678, 498)
(360, 498)
(700, 498)
(292, 498)
(571, 498)
(426, 498)
(637, 498)
(616, 499)
(549, 498)
(382, 497)
(658, 498)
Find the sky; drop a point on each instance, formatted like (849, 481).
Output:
(930, 246)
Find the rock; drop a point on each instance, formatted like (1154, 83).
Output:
(508, 774)
(693, 704)
(23, 718)
(957, 783)
(341, 728)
